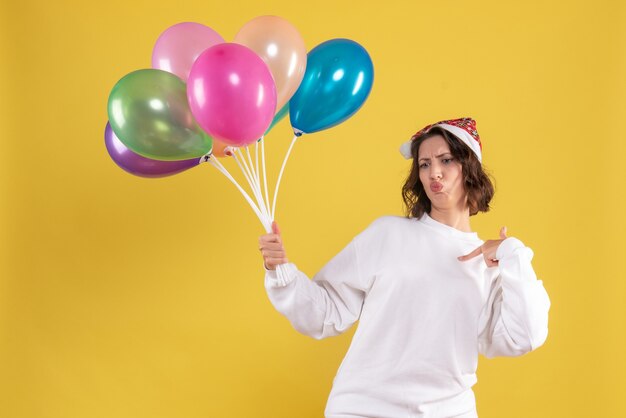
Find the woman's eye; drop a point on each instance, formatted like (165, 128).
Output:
(447, 160)
(423, 165)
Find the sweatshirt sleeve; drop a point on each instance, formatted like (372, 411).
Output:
(327, 305)
(515, 318)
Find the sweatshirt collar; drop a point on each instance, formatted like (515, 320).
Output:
(448, 230)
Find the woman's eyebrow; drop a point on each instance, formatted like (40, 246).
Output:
(436, 156)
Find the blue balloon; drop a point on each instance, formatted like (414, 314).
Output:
(338, 79)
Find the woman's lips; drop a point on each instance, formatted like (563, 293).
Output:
(436, 186)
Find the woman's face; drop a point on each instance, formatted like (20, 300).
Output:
(441, 175)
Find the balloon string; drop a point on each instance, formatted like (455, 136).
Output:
(256, 162)
(215, 163)
(258, 175)
(267, 199)
(280, 175)
(248, 162)
(241, 162)
(243, 165)
(254, 185)
(247, 177)
(252, 170)
(257, 188)
(280, 269)
(257, 183)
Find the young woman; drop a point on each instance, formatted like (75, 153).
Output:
(428, 293)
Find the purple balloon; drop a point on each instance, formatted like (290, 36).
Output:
(139, 165)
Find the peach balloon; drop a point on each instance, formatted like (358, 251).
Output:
(282, 48)
(221, 149)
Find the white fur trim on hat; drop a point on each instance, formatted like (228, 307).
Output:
(405, 148)
(464, 136)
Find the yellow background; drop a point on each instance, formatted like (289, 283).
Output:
(128, 297)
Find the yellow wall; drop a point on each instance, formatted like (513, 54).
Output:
(126, 297)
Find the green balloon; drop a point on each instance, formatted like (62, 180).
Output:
(149, 113)
(279, 116)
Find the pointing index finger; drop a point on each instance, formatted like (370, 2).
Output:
(476, 252)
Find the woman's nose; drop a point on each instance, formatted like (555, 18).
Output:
(435, 172)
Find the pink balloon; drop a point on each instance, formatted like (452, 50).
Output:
(232, 94)
(178, 47)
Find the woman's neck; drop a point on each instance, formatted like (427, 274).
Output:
(457, 219)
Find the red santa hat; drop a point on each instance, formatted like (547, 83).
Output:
(463, 128)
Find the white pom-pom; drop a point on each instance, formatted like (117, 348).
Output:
(405, 150)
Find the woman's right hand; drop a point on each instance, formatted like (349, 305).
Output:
(271, 247)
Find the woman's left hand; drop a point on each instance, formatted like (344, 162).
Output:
(488, 250)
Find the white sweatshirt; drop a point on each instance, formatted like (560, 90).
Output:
(423, 316)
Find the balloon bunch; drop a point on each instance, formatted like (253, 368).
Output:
(205, 98)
